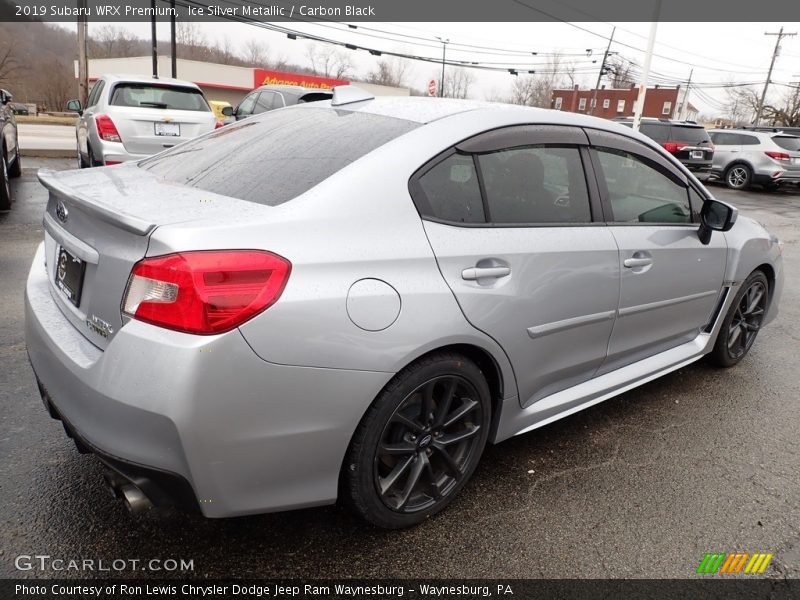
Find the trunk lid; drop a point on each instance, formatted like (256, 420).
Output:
(104, 218)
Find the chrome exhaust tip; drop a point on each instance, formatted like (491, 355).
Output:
(134, 499)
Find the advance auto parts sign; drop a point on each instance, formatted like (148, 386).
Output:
(264, 77)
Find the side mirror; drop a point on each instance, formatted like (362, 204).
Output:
(227, 111)
(5, 97)
(715, 216)
(75, 106)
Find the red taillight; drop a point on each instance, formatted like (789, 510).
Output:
(672, 147)
(778, 155)
(106, 129)
(108, 163)
(219, 124)
(205, 292)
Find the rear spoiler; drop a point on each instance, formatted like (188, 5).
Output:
(58, 189)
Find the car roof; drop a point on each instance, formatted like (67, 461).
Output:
(771, 133)
(295, 89)
(114, 78)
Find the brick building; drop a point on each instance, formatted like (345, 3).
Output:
(659, 102)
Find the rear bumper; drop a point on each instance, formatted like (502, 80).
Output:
(246, 436)
(777, 176)
(114, 152)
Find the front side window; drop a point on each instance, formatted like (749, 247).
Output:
(452, 190)
(265, 102)
(96, 91)
(147, 95)
(638, 193)
(246, 106)
(535, 185)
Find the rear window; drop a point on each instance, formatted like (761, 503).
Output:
(694, 135)
(655, 131)
(790, 143)
(276, 156)
(158, 96)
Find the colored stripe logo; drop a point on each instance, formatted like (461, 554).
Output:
(734, 562)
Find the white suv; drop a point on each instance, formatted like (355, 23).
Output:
(743, 157)
(130, 118)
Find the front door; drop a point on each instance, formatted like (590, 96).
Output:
(511, 224)
(670, 283)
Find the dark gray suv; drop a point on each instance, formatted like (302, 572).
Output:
(685, 140)
(10, 162)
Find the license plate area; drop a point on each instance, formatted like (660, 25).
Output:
(168, 129)
(697, 154)
(69, 275)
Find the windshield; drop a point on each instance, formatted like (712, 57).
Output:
(787, 142)
(278, 155)
(147, 95)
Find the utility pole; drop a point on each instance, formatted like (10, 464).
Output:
(83, 60)
(154, 40)
(444, 51)
(593, 103)
(685, 100)
(780, 35)
(651, 40)
(173, 41)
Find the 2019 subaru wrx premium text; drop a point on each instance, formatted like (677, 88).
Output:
(349, 299)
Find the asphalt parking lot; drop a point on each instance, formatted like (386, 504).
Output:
(640, 486)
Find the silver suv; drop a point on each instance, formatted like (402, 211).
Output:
(744, 157)
(130, 118)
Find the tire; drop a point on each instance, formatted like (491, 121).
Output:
(738, 176)
(15, 170)
(5, 186)
(742, 323)
(394, 444)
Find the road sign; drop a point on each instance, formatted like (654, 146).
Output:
(432, 87)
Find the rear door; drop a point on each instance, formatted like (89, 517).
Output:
(727, 148)
(511, 219)
(152, 117)
(670, 283)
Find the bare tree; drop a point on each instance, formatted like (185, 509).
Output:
(788, 112)
(329, 62)
(457, 82)
(8, 63)
(537, 89)
(256, 52)
(742, 104)
(389, 71)
(620, 72)
(112, 42)
(191, 41)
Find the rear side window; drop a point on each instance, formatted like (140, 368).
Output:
(749, 140)
(278, 155)
(452, 190)
(790, 143)
(535, 184)
(147, 95)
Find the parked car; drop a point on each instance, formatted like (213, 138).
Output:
(130, 118)
(218, 106)
(350, 298)
(685, 140)
(270, 97)
(744, 157)
(10, 159)
(20, 109)
(789, 129)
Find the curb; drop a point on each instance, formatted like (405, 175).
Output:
(47, 153)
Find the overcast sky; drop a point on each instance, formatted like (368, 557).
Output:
(718, 52)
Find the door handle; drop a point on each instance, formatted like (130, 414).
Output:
(475, 273)
(632, 263)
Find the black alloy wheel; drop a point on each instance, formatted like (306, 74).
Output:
(419, 442)
(743, 321)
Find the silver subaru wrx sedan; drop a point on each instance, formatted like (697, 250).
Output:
(348, 299)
